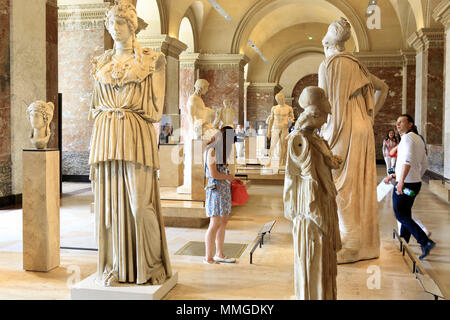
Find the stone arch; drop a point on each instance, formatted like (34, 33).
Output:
(289, 56)
(263, 7)
(306, 81)
(143, 5)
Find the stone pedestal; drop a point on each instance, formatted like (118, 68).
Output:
(89, 290)
(261, 146)
(250, 150)
(171, 165)
(194, 170)
(40, 209)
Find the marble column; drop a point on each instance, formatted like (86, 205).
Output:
(388, 66)
(34, 70)
(442, 14)
(81, 33)
(260, 100)
(409, 83)
(5, 103)
(172, 48)
(429, 46)
(188, 76)
(225, 74)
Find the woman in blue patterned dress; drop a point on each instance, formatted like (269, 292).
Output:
(218, 194)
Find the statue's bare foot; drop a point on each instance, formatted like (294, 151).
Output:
(110, 277)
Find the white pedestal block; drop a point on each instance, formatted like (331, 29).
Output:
(194, 171)
(40, 194)
(250, 149)
(88, 289)
(170, 165)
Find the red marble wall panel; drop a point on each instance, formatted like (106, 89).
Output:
(259, 104)
(52, 67)
(392, 109)
(5, 101)
(223, 84)
(306, 81)
(5, 93)
(435, 96)
(411, 89)
(76, 50)
(187, 81)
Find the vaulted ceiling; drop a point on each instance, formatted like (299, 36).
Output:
(288, 30)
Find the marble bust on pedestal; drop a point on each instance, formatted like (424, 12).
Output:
(40, 115)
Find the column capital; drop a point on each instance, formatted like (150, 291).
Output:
(442, 13)
(223, 60)
(82, 17)
(426, 38)
(163, 43)
(189, 60)
(409, 57)
(264, 87)
(380, 58)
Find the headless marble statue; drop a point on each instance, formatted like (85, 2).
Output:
(278, 122)
(352, 91)
(200, 116)
(226, 116)
(40, 115)
(310, 201)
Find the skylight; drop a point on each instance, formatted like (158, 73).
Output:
(257, 50)
(219, 9)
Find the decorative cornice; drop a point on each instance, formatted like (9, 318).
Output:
(427, 38)
(270, 87)
(163, 43)
(222, 61)
(442, 13)
(82, 17)
(381, 59)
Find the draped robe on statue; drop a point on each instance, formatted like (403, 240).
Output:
(128, 97)
(349, 132)
(310, 202)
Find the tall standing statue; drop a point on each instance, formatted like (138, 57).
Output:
(226, 116)
(350, 88)
(310, 201)
(200, 116)
(278, 128)
(40, 115)
(128, 97)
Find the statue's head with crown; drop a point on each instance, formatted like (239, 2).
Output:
(125, 10)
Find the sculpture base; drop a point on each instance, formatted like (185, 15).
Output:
(88, 289)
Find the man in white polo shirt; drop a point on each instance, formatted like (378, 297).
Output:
(410, 167)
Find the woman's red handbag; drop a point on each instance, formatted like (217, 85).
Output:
(239, 194)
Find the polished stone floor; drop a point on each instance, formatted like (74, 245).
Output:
(269, 277)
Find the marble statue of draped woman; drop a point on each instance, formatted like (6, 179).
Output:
(349, 131)
(128, 98)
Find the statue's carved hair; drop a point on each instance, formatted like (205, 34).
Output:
(201, 83)
(46, 109)
(338, 33)
(127, 11)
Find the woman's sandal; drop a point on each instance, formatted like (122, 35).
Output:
(224, 259)
(207, 262)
